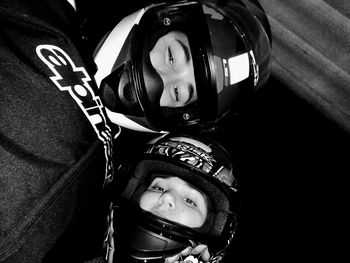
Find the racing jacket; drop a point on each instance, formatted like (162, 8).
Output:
(55, 139)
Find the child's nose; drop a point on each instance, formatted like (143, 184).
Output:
(168, 200)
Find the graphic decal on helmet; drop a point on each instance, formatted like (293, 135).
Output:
(238, 68)
(194, 153)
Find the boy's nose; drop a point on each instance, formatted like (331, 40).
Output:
(167, 200)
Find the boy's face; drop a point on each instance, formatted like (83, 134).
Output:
(174, 199)
(172, 60)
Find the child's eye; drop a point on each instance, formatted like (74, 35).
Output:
(157, 188)
(170, 57)
(190, 202)
(176, 91)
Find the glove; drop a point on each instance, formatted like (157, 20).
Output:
(198, 254)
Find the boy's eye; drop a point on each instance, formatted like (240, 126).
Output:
(176, 91)
(190, 202)
(170, 56)
(157, 188)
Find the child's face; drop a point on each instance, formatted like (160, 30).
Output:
(171, 58)
(174, 199)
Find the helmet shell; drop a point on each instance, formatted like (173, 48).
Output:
(230, 49)
(203, 163)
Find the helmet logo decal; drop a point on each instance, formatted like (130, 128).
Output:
(187, 153)
(197, 154)
(237, 68)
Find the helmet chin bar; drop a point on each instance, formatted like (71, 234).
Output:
(144, 236)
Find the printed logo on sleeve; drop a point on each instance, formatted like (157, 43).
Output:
(75, 80)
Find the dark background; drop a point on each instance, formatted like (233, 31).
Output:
(293, 167)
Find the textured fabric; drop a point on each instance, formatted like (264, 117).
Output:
(52, 159)
(96, 260)
(311, 52)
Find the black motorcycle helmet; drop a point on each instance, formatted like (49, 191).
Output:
(229, 46)
(135, 235)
